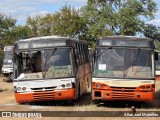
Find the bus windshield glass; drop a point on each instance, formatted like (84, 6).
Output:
(123, 63)
(47, 63)
(7, 58)
(158, 63)
(56, 63)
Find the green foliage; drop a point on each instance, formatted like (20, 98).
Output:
(33, 24)
(117, 17)
(6, 25)
(66, 22)
(151, 31)
(21, 32)
(1, 56)
(97, 19)
(130, 16)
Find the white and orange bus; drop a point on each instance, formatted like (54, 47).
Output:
(124, 69)
(50, 68)
(7, 68)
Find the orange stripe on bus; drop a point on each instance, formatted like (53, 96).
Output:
(43, 96)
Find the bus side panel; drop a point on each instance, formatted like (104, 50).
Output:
(84, 79)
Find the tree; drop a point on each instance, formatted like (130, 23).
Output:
(46, 24)
(21, 32)
(99, 18)
(151, 31)
(33, 24)
(67, 22)
(131, 14)
(6, 38)
(117, 17)
(6, 26)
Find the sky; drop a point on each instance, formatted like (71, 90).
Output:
(21, 9)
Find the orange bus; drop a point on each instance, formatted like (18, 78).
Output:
(124, 69)
(50, 68)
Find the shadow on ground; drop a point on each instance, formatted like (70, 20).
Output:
(2, 90)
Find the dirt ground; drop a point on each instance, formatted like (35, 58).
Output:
(8, 103)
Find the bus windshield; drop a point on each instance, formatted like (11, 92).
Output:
(47, 63)
(123, 63)
(158, 63)
(7, 58)
(56, 63)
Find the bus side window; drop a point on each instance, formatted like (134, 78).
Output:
(38, 62)
(77, 55)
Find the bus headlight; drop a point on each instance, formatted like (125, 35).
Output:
(24, 88)
(98, 85)
(103, 86)
(68, 85)
(148, 87)
(63, 85)
(18, 89)
(143, 87)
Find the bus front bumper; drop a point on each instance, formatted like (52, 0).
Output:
(68, 94)
(116, 95)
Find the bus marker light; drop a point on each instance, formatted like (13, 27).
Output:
(68, 85)
(24, 88)
(59, 93)
(107, 94)
(103, 86)
(148, 87)
(143, 87)
(138, 95)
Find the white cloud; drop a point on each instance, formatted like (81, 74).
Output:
(41, 13)
(154, 22)
(21, 9)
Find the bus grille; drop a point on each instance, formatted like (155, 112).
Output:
(123, 89)
(44, 96)
(122, 95)
(44, 89)
(123, 92)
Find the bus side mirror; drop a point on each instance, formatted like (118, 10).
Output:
(156, 56)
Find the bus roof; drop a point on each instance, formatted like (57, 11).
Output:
(44, 38)
(8, 48)
(125, 38)
(45, 42)
(125, 41)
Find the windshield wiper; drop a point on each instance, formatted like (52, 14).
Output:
(103, 51)
(134, 62)
(137, 56)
